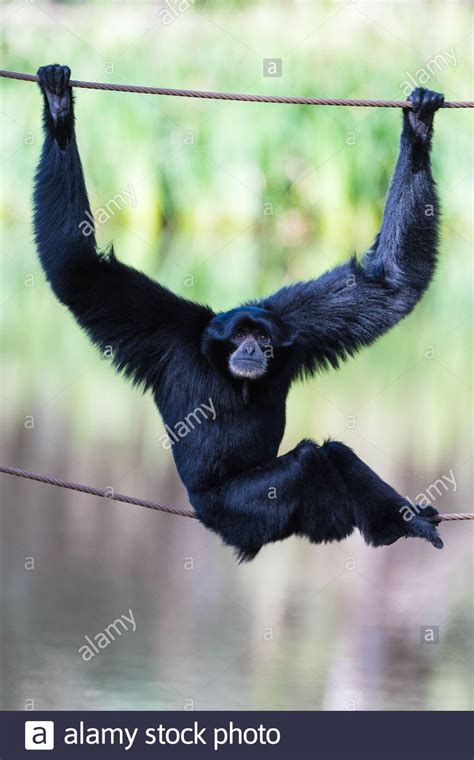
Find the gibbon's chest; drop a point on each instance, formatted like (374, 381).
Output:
(220, 435)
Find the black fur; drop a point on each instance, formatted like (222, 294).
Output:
(238, 485)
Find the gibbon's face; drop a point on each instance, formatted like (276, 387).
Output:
(252, 351)
(247, 343)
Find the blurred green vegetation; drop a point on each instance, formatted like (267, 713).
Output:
(205, 173)
(233, 200)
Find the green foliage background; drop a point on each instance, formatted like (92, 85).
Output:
(236, 199)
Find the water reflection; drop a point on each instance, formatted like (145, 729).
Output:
(333, 627)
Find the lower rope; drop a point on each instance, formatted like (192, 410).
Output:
(144, 90)
(109, 493)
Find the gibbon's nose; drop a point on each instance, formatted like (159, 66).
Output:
(250, 348)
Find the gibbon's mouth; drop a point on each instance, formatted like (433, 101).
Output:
(248, 368)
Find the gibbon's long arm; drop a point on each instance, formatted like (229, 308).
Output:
(120, 308)
(353, 304)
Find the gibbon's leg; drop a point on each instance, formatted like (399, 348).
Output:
(321, 492)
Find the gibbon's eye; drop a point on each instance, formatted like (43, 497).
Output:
(239, 335)
(263, 338)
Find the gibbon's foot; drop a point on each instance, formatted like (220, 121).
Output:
(380, 513)
(421, 527)
(54, 82)
(425, 104)
(406, 521)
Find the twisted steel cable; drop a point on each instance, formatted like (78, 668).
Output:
(235, 95)
(41, 478)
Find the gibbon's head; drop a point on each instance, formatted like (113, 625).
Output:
(247, 343)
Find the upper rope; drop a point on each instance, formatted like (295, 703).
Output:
(236, 95)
